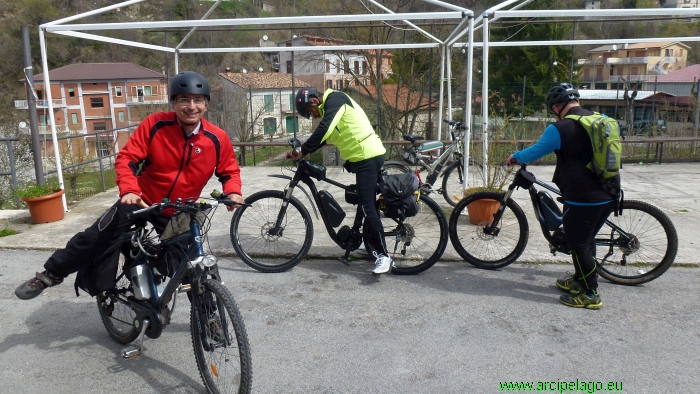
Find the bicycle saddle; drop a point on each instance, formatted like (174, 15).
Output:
(413, 138)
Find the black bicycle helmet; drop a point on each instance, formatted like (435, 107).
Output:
(303, 101)
(560, 94)
(189, 82)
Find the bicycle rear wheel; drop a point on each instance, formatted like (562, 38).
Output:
(637, 246)
(488, 251)
(453, 183)
(415, 243)
(220, 342)
(395, 167)
(116, 313)
(264, 247)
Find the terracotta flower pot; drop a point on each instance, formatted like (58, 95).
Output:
(482, 211)
(46, 209)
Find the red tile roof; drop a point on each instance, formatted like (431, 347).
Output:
(263, 80)
(407, 99)
(687, 74)
(100, 72)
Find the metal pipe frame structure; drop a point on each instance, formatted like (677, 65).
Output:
(496, 12)
(460, 14)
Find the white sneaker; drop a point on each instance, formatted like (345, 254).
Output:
(383, 264)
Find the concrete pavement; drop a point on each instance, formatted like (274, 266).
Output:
(672, 187)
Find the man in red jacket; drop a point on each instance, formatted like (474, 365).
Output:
(170, 155)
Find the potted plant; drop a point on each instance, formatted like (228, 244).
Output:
(43, 201)
(491, 173)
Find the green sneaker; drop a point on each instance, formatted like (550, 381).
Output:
(582, 301)
(569, 284)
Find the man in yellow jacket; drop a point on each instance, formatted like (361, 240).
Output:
(345, 125)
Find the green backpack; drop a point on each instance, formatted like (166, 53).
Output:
(604, 134)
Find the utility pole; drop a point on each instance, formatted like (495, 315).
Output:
(31, 103)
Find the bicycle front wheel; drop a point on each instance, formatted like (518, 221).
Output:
(116, 313)
(220, 341)
(488, 251)
(262, 245)
(637, 246)
(415, 243)
(453, 183)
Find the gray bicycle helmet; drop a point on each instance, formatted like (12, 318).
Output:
(189, 82)
(303, 101)
(560, 94)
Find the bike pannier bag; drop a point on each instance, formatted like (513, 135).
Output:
(604, 136)
(549, 210)
(332, 209)
(400, 195)
(100, 275)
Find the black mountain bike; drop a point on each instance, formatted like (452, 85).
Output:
(433, 164)
(635, 247)
(141, 300)
(275, 231)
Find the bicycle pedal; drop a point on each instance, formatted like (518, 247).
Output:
(130, 352)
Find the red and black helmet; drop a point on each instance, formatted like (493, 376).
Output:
(303, 101)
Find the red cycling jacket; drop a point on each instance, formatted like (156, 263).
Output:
(159, 160)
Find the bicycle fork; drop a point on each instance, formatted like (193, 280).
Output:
(492, 228)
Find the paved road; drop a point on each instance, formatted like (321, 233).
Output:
(324, 327)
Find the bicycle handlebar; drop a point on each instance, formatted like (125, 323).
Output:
(457, 125)
(187, 206)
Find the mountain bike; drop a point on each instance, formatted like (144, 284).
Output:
(275, 231)
(426, 155)
(141, 300)
(635, 247)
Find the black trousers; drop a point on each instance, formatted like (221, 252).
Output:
(367, 172)
(581, 224)
(87, 245)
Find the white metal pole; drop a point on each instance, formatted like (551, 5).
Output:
(485, 98)
(177, 62)
(54, 138)
(468, 107)
(448, 77)
(442, 89)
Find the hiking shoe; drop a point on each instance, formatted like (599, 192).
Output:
(569, 284)
(582, 301)
(33, 287)
(383, 264)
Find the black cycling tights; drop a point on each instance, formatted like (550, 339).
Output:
(367, 173)
(581, 224)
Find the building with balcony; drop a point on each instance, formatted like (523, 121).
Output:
(330, 69)
(90, 97)
(609, 64)
(259, 104)
(680, 3)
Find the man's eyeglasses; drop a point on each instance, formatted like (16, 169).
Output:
(199, 101)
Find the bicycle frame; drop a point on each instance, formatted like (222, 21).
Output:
(526, 180)
(435, 169)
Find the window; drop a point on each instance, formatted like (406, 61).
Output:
(291, 102)
(99, 126)
(339, 84)
(120, 115)
(74, 118)
(346, 66)
(146, 90)
(39, 94)
(102, 148)
(328, 66)
(635, 71)
(365, 70)
(329, 84)
(96, 102)
(270, 125)
(680, 52)
(71, 92)
(44, 120)
(620, 71)
(289, 66)
(337, 66)
(118, 91)
(269, 103)
(357, 67)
